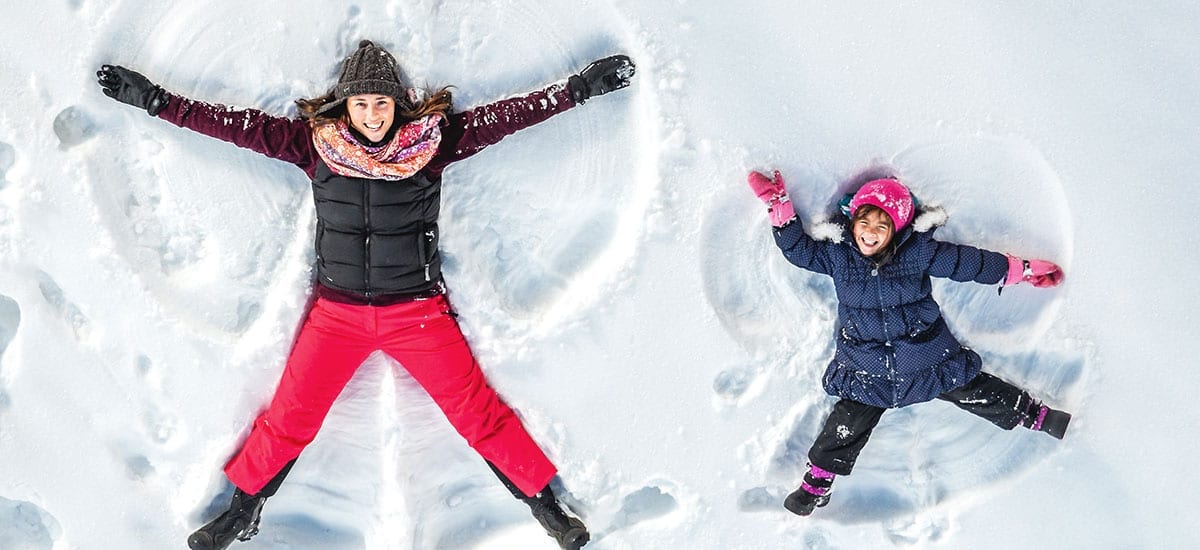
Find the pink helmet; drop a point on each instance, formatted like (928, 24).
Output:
(888, 194)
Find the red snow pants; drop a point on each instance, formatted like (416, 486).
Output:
(425, 339)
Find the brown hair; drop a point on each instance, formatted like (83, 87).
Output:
(866, 210)
(311, 109)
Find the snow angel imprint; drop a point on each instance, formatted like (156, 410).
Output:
(893, 348)
(375, 151)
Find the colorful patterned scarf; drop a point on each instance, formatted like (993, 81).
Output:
(407, 153)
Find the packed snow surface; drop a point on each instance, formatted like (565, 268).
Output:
(614, 274)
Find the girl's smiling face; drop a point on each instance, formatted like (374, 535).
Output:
(872, 230)
(371, 114)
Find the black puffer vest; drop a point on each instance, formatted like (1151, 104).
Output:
(377, 237)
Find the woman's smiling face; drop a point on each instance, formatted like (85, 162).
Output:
(872, 231)
(371, 114)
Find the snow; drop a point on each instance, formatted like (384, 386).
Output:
(614, 274)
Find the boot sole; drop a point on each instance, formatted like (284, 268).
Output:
(1056, 423)
(794, 505)
(200, 541)
(575, 538)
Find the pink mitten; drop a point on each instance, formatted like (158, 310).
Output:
(771, 191)
(1039, 273)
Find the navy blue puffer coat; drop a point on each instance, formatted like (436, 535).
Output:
(893, 347)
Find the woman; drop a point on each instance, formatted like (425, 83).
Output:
(375, 153)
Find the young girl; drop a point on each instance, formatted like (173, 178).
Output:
(375, 154)
(893, 347)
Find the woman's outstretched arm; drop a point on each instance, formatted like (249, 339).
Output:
(276, 137)
(469, 132)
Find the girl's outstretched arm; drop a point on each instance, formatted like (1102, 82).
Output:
(802, 250)
(798, 247)
(967, 263)
(963, 263)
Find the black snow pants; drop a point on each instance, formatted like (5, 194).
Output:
(850, 423)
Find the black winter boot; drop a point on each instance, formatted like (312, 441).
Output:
(1041, 418)
(802, 503)
(568, 531)
(813, 492)
(239, 522)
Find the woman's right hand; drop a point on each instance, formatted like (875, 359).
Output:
(131, 88)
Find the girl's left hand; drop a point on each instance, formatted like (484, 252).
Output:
(1039, 273)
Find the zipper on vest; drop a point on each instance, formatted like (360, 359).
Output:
(426, 254)
(367, 241)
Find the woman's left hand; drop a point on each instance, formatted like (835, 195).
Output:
(601, 76)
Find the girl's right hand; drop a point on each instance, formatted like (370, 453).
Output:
(771, 191)
(766, 187)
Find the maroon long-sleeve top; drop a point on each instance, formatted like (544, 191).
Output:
(376, 240)
(290, 140)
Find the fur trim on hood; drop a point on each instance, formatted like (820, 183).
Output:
(928, 218)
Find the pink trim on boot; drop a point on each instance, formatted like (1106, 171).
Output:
(819, 491)
(817, 473)
(820, 473)
(1037, 424)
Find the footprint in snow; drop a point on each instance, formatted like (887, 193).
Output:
(63, 306)
(26, 526)
(73, 126)
(646, 504)
(8, 157)
(10, 321)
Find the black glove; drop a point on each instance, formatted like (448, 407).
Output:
(132, 88)
(601, 77)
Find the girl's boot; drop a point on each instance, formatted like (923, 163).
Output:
(567, 530)
(1041, 418)
(239, 522)
(813, 492)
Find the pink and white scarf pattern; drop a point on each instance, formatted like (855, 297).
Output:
(405, 154)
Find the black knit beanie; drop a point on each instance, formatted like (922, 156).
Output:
(369, 70)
